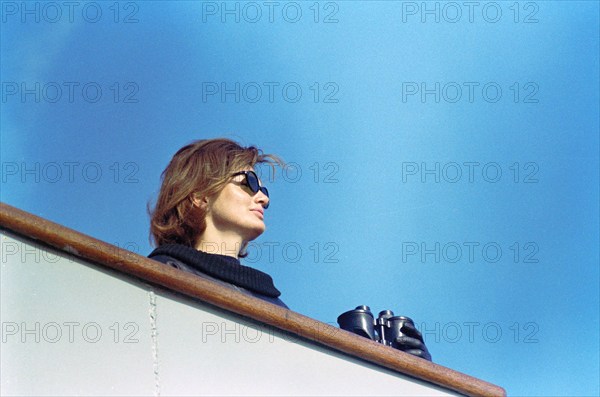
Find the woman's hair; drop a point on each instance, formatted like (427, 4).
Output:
(199, 169)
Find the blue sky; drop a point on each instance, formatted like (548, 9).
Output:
(443, 160)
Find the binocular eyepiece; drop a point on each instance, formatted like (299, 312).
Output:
(386, 329)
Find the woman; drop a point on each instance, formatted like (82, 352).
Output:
(210, 206)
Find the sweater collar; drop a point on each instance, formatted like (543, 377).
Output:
(226, 268)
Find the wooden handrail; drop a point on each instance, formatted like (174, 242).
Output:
(89, 248)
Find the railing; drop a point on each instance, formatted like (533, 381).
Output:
(104, 254)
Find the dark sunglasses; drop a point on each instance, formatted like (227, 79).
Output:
(251, 180)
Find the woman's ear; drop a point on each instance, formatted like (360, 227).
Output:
(199, 201)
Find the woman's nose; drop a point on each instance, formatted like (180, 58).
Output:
(263, 199)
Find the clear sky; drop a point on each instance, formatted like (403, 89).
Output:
(443, 156)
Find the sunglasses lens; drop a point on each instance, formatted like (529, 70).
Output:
(252, 180)
(266, 193)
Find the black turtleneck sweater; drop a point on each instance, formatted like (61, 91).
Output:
(224, 269)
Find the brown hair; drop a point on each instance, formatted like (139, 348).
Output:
(201, 168)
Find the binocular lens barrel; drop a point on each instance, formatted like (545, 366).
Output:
(394, 329)
(359, 321)
(382, 327)
(385, 329)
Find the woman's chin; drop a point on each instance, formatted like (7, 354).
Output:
(255, 232)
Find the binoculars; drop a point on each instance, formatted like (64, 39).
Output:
(385, 329)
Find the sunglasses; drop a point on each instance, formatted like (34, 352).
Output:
(251, 180)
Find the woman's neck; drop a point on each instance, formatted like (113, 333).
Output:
(221, 244)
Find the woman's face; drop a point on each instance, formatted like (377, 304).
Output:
(235, 209)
